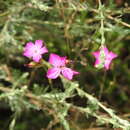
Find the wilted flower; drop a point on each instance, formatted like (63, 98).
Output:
(35, 51)
(104, 58)
(59, 66)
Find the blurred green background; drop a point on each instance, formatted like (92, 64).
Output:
(69, 28)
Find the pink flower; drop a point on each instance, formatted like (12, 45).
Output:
(35, 51)
(59, 66)
(104, 57)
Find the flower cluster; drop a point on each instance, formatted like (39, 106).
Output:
(59, 64)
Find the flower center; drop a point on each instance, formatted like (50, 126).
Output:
(36, 51)
(61, 67)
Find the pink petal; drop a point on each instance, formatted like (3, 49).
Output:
(96, 54)
(68, 73)
(96, 62)
(105, 51)
(53, 73)
(29, 45)
(75, 72)
(27, 54)
(38, 43)
(109, 59)
(112, 55)
(63, 60)
(37, 58)
(56, 60)
(43, 50)
(107, 64)
(28, 50)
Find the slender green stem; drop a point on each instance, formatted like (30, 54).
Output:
(102, 86)
(102, 23)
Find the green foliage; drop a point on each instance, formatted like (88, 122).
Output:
(72, 28)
